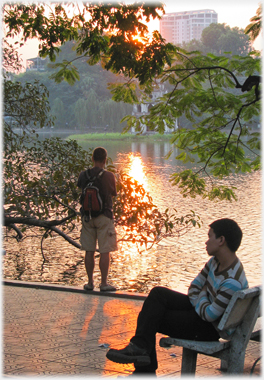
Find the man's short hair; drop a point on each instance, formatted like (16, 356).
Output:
(230, 230)
(99, 154)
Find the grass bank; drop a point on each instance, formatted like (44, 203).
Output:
(119, 137)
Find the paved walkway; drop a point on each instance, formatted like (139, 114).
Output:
(47, 331)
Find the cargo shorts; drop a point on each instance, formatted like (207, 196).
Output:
(100, 229)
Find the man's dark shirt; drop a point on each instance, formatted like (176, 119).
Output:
(107, 188)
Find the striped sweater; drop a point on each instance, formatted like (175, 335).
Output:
(210, 304)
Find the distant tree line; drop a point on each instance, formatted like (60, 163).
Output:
(220, 38)
(87, 105)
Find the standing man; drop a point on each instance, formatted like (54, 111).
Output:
(99, 229)
(194, 315)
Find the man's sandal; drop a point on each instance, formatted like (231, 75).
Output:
(88, 287)
(107, 288)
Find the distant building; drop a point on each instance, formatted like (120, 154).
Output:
(182, 27)
(143, 108)
(36, 64)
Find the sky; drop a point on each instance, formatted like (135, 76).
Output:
(231, 12)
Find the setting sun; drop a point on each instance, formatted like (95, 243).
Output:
(140, 39)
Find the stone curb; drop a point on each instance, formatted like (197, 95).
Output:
(74, 289)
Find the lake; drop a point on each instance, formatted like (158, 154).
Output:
(175, 261)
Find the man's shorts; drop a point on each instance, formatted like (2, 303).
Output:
(99, 229)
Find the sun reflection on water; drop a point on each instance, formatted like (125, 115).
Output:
(136, 170)
(134, 167)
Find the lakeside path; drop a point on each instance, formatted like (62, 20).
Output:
(61, 330)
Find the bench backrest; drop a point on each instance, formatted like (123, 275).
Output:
(241, 302)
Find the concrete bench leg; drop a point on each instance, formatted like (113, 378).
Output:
(224, 365)
(236, 362)
(189, 358)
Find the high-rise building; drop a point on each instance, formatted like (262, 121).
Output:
(182, 27)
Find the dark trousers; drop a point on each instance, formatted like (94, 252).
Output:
(171, 313)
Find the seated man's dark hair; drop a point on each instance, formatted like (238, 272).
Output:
(99, 154)
(230, 230)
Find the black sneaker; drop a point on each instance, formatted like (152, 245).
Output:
(129, 354)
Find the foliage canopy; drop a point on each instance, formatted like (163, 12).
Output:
(102, 31)
(255, 26)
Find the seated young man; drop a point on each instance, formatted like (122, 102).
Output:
(194, 316)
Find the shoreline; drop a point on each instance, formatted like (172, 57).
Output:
(120, 137)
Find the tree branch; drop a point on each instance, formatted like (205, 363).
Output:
(237, 120)
(48, 225)
(15, 228)
(66, 237)
(197, 69)
(36, 222)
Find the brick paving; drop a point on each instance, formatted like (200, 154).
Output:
(53, 330)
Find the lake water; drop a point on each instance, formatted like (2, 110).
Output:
(175, 261)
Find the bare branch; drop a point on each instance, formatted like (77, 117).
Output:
(36, 222)
(237, 120)
(66, 237)
(15, 228)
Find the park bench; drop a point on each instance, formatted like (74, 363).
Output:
(241, 313)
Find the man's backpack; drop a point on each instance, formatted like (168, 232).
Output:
(91, 201)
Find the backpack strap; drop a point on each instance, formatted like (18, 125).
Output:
(88, 174)
(89, 178)
(99, 175)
